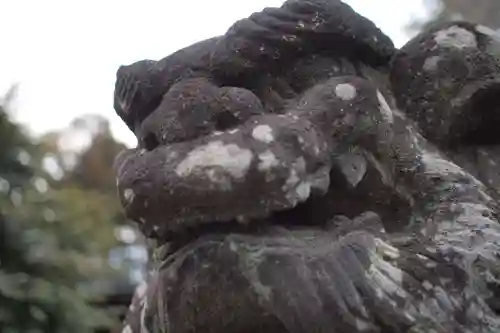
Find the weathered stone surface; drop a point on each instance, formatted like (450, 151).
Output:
(268, 164)
(197, 107)
(287, 193)
(270, 41)
(448, 80)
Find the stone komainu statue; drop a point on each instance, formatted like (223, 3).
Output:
(301, 174)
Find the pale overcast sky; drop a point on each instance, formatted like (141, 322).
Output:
(65, 53)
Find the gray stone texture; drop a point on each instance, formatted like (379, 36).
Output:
(300, 174)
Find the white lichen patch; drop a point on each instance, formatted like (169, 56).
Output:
(296, 190)
(431, 63)
(127, 329)
(267, 160)
(345, 91)
(227, 158)
(263, 133)
(129, 195)
(455, 37)
(303, 190)
(384, 108)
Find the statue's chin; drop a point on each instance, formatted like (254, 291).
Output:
(227, 280)
(266, 282)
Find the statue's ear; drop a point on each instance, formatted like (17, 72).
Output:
(448, 80)
(137, 91)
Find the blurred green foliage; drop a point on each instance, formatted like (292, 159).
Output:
(56, 231)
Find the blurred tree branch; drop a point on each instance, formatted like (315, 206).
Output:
(485, 12)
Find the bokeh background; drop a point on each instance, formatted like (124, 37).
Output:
(69, 260)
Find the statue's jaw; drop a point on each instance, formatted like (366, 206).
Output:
(309, 279)
(265, 282)
(297, 221)
(284, 280)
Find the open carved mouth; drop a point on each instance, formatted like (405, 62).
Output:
(291, 220)
(176, 241)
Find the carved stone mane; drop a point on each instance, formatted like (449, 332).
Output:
(300, 174)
